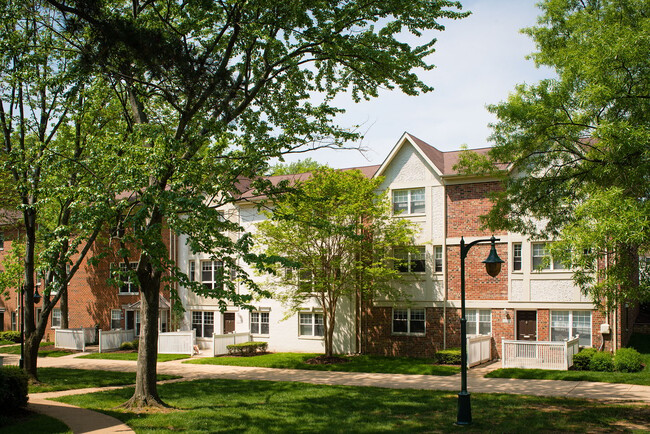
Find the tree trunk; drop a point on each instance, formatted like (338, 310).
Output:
(63, 305)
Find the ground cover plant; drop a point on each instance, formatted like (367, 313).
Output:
(362, 363)
(53, 379)
(639, 342)
(47, 349)
(266, 406)
(133, 356)
(31, 423)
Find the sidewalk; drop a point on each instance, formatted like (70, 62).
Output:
(476, 383)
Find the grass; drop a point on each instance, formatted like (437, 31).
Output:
(31, 423)
(15, 349)
(3, 342)
(640, 342)
(132, 356)
(266, 406)
(53, 379)
(389, 365)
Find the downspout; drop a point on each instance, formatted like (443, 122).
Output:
(444, 268)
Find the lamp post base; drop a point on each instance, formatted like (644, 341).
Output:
(464, 409)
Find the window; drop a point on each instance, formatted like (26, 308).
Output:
(409, 321)
(14, 324)
(408, 201)
(311, 324)
(2, 241)
(516, 257)
(116, 319)
(410, 260)
(56, 318)
(260, 323)
(212, 274)
(568, 324)
(437, 259)
(128, 286)
(479, 322)
(203, 323)
(191, 273)
(542, 259)
(305, 280)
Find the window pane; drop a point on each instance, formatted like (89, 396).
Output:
(417, 201)
(417, 260)
(400, 321)
(539, 255)
(516, 256)
(319, 329)
(417, 321)
(437, 253)
(56, 318)
(559, 325)
(400, 201)
(581, 325)
(197, 323)
(558, 265)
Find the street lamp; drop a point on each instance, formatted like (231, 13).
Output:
(492, 267)
(37, 298)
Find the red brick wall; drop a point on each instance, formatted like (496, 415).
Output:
(465, 204)
(478, 284)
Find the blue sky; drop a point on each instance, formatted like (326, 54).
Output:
(479, 60)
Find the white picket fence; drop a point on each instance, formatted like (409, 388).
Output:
(177, 342)
(112, 339)
(219, 342)
(539, 354)
(479, 349)
(74, 339)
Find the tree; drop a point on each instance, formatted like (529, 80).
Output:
(48, 119)
(339, 234)
(300, 166)
(212, 90)
(578, 145)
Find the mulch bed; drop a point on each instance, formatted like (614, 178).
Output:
(324, 360)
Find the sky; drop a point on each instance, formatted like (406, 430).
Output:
(479, 61)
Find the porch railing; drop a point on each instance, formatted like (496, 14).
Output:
(539, 354)
(74, 339)
(479, 349)
(177, 342)
(221, 341)
(112, 339)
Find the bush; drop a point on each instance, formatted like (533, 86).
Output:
(582, 360)
(247, 348)
(602, 361)
(449, 356)
(10, 336)
(628, 360)
(13, 389)
(130, 345)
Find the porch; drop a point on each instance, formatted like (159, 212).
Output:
(539, 354)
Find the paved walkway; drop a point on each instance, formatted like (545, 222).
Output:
(81, 421)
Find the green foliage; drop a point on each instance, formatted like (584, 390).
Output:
(13, 389)
(577, 145)
(450, 356)
(582, 360)
(300, 166)
(602, 361)
(627, 360)
(11, 336)
(130, 345)
(247, 348)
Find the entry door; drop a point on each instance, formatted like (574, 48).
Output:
(229, 322)
(526, 325)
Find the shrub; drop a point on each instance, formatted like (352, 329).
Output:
(13, 389)
(602, 361)
(247, 348)
(582, 360)
(449, 356)
(130, 345)
(628, 360)
(10, 336)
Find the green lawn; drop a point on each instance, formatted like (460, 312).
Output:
(53, 379)
(132, 356)
(15, 349)
(389, 365)
(640, 342)
(266, 406)
(31, 423)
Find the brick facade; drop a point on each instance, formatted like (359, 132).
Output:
(465, 204)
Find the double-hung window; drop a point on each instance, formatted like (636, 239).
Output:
(128, 286)
(203, 323)
(408, 201)
(409, 320)
(2, 240)
(566, 324)
(191, 271)
(260, 323)
(516, 257)
(479, 321)
(411, 260)
(212, 274)
(116, 319)
(56, 318)
(311, 324)
(437, 259)
(542, 258)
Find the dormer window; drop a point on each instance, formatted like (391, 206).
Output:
(407, 202)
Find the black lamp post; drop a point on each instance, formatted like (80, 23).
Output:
(493, 267)
(37, 298)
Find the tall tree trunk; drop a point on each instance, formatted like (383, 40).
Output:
(63, 305)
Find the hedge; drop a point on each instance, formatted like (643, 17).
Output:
(10, 336)
(582, 360)
(602, 361)
(247, 348)
(628, 360)
(130, 345)
(449, 356)
(13, 389)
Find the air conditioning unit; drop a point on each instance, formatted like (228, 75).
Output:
(605, 329)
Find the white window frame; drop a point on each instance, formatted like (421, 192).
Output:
(260, 323)
(191, 271)
(571, 328)
(131, 289)
(309, 327)
(118, 319)
(476, 318)
(56, 312)
(408, 257)
(552, 264)
(408, 316)
(2, 240)
(14, 320)
(215, 268)
(405, 201)
(517, 259)
(202, 318)
(438, 261)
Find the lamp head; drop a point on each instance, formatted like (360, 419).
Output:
(37, 296)
(493, 262)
